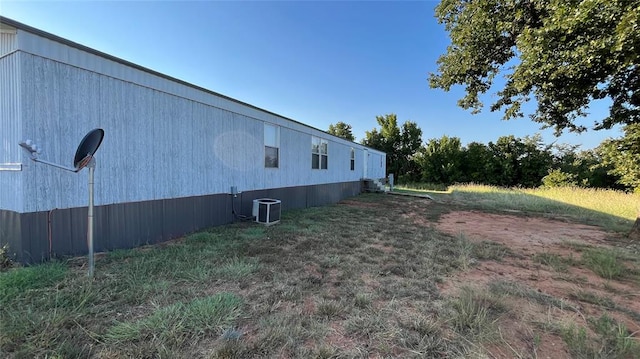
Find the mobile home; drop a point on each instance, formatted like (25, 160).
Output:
(175, 157)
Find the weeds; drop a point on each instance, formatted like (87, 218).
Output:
(328, 309)
(604, 262)
(22, 282)
(5, 258)
(362, 301)
(611, 340)
(475, 312)
(555, 261)
(590, 297)
(488, 250)
(177, 323)
(470, 252)
(518, 290)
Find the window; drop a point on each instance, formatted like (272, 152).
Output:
(271, 145)
(319, 153)
(353, 159)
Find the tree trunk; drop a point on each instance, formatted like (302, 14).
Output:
(634, 235)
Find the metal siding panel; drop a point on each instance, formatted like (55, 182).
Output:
(151, 224)
(247, 200)
(291, 197)
(101, 240)
(10, 109)
(295, 169)
(35, 245)
(78, 235)
(211, 210)
(238, 150)
(184, 218)
(200, 209)
(131, 222)
(11, 233)
(11, 187)
(129, 225)
(314, 197)
(157, 145)
(61, 237)
(148, 226)
(169, 214)
(48, 48)
(8, 42)
(114, 227)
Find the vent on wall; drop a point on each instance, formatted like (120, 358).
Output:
(266, 210)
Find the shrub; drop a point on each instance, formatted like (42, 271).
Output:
(557, 178)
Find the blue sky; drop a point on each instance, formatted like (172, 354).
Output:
(318, 62)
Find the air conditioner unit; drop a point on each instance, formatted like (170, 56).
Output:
(266, 210)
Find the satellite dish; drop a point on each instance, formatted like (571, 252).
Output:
(87, 148)
(83, 158)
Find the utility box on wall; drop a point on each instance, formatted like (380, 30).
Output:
(266, 210)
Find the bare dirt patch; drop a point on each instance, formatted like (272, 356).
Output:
(533, 234)
(533, 328)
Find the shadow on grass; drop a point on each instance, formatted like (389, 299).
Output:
(611, 210)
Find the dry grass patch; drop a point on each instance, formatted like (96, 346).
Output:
(375, 276)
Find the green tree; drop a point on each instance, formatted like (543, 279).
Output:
(503, 162)
(623, 155)
(518, 162)
(440, 160)
(586, 167)
(475, 163)
(592, 171)
(535, 161)
(343, 130)
(562, 53)
(399, 144)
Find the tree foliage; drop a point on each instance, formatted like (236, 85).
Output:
(509, 162)
(623, 156)
(440, 160)
(586, 168)
(558, 178)
(343, 130)
(400, 144)
(562, 53)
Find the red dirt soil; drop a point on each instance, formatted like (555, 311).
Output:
(525, 237)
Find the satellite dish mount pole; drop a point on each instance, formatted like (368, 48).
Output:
(92, 166)
(83, 158)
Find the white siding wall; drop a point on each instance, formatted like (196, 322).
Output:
(163, 139)
(10, 131)
(59, 52)
(157, 145)
(377, 164)
(8, 40)
(50, 49)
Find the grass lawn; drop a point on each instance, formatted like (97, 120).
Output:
(613, 210)
(372, 276)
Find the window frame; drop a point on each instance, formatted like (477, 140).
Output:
(268, 143)
(319, 153)
(353, 159)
